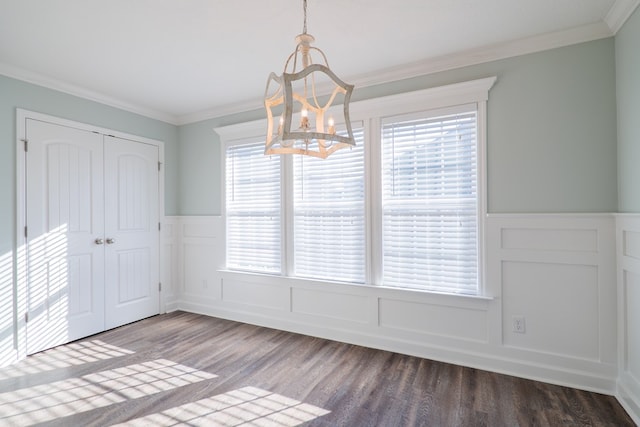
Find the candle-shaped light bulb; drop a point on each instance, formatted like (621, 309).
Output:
(280, 125)
(304, 119)
(332, 127)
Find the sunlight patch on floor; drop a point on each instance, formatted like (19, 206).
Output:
(58, 399)
(73, 354)
(248, 406)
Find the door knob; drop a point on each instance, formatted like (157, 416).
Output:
(110, 241)
(99, 241)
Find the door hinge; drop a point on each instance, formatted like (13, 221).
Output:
(159, 166)
(160, 286)
(26, 145)
(159, 227)
(25, 232)
(26, 317)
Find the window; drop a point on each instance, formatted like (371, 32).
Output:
(429, 201)
(328, 212)
(253, 218)
(402, 209)
(329, 215)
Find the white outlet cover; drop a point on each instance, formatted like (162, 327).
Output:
(519, 325)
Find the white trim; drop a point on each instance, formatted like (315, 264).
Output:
(373, 216)
(20, 289)
(619, 13)
(26, 114)
(221, 111)
(75, 90)
(170, 244)
(244, 130)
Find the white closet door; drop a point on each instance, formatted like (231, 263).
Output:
(65, 211)
(131, 231)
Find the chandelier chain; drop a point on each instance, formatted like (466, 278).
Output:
(304, 7)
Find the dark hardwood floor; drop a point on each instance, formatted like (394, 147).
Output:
(187, 369)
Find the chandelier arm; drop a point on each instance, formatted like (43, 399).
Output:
(326, 61)
(302, 100)
(278, 93)
(313, 91)
(293, 56)
(333, 96)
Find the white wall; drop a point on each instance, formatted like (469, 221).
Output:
(558, 271)
(628, 251)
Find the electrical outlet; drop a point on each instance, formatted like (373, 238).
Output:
(519, 324)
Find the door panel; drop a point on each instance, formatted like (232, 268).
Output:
(131, 231)
(65, 214)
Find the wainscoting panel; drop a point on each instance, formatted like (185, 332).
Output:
(557, 273)
(169, 253)
(628, 238)
(431, 319)
(631, 245)
(332, 305)
(200, 257)
(199, 278)
(541, 239)
(569, 295)
(248, 295)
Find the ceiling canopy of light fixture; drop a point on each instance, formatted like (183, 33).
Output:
(302, 99)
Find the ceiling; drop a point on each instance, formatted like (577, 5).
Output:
(185, 60)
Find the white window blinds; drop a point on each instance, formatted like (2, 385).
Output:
(329, 215)
(430, 201)
(253, 218)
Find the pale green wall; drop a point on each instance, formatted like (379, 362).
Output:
(18, 94)
(628, 98)
(551, 133)
(200, 164)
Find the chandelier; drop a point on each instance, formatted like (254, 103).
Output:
(300, 101)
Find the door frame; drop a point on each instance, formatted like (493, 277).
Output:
(20, 291)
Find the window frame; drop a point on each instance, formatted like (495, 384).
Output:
(422, 205)
(248, 142)
(358, 132)
(372, 112)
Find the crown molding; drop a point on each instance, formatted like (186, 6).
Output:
(224, 110)
(70, 89)
(486, 54)
(467, 58)
(619, 13)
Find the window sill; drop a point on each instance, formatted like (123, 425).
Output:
(377, 291)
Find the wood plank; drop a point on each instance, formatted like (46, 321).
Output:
(356, 385)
